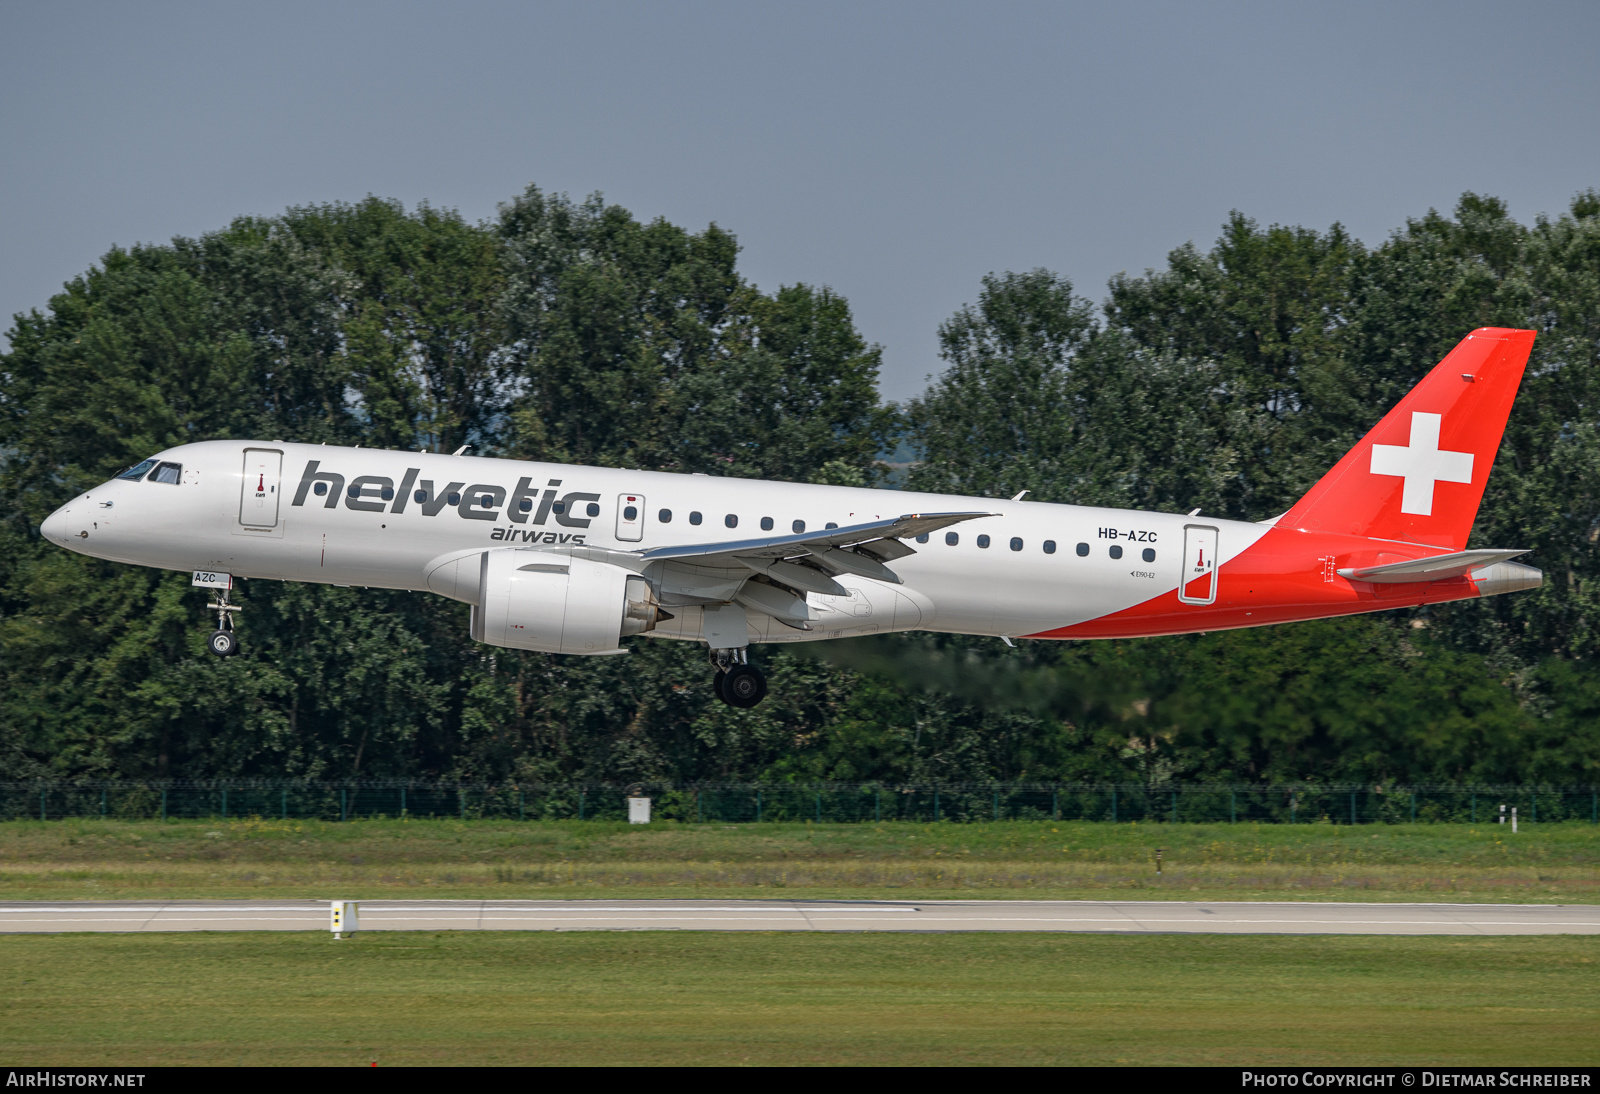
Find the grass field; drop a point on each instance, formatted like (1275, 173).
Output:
(691, 998)
(95, 859)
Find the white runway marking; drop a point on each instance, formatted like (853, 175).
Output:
(1138, 917)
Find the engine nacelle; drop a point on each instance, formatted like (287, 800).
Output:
(537, 600)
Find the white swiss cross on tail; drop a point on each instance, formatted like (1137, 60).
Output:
(1421, 464)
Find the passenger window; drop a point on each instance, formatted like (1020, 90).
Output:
(422, 495)
(830, 524)
(455, 499)
(1116, 552)
(1149, 554)
(766, 524)
(353, 491)
(694, 518)
(1083, 550)
(320, 489)
(593, 510)
(388, 493)
(665, 516)
(1016, 544)
(731, 521)
(923, 538)
(526, 504)
(983, 541)
(168, 473)
(558, 508)
(485, 500)
(798, 526)
(952, 538)
(1049, 546)
(630, 512)
(137, 471)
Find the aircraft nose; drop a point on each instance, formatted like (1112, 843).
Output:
(55, 527)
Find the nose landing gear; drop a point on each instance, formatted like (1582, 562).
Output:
(223, 642)
(737, 683)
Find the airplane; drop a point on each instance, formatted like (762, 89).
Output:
(572, 560)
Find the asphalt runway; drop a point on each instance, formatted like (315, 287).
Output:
(1097, 916)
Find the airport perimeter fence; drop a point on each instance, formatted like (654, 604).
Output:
(741, 803)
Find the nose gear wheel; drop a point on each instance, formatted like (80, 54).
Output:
(223, 641)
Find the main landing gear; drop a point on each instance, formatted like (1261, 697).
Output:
(737, 683)
(223, 641)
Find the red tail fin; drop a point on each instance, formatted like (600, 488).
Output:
(1419, 474)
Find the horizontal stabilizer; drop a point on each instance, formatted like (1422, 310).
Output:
(1437, 568)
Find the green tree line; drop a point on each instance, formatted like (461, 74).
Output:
(1230, 379)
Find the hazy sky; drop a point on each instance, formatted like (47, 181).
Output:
(895, 151)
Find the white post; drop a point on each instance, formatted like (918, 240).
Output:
(638, 810)
(1513, 820)
(343, 916)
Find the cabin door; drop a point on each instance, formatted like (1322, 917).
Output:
(258, 499)
(1198, 584)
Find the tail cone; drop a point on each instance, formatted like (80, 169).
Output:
(1506, 577)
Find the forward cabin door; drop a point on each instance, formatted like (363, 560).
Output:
(630, 517)
(258, 498)
(1198, 584)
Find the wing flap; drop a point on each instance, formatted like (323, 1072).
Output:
(854, 562)
(800, 577)
(780, 604)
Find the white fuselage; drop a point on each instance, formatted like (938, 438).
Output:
(250, 509)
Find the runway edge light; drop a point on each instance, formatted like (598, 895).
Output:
(343, 916)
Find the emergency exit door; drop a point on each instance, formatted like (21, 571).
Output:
(1198, 584)
(258, 498)
(630, 517)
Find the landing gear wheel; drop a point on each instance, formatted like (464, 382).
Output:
(743, 686)
(716, 685)
(223, 642)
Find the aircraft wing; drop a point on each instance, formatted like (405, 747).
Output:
(1436, 568)
(857, 549)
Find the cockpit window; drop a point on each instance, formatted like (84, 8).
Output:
(138, 470)
(168, 473)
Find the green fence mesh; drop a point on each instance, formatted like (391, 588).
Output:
(743, 803)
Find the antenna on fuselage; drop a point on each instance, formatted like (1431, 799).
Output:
(461, 450)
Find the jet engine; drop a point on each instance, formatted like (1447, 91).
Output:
(537, 600)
